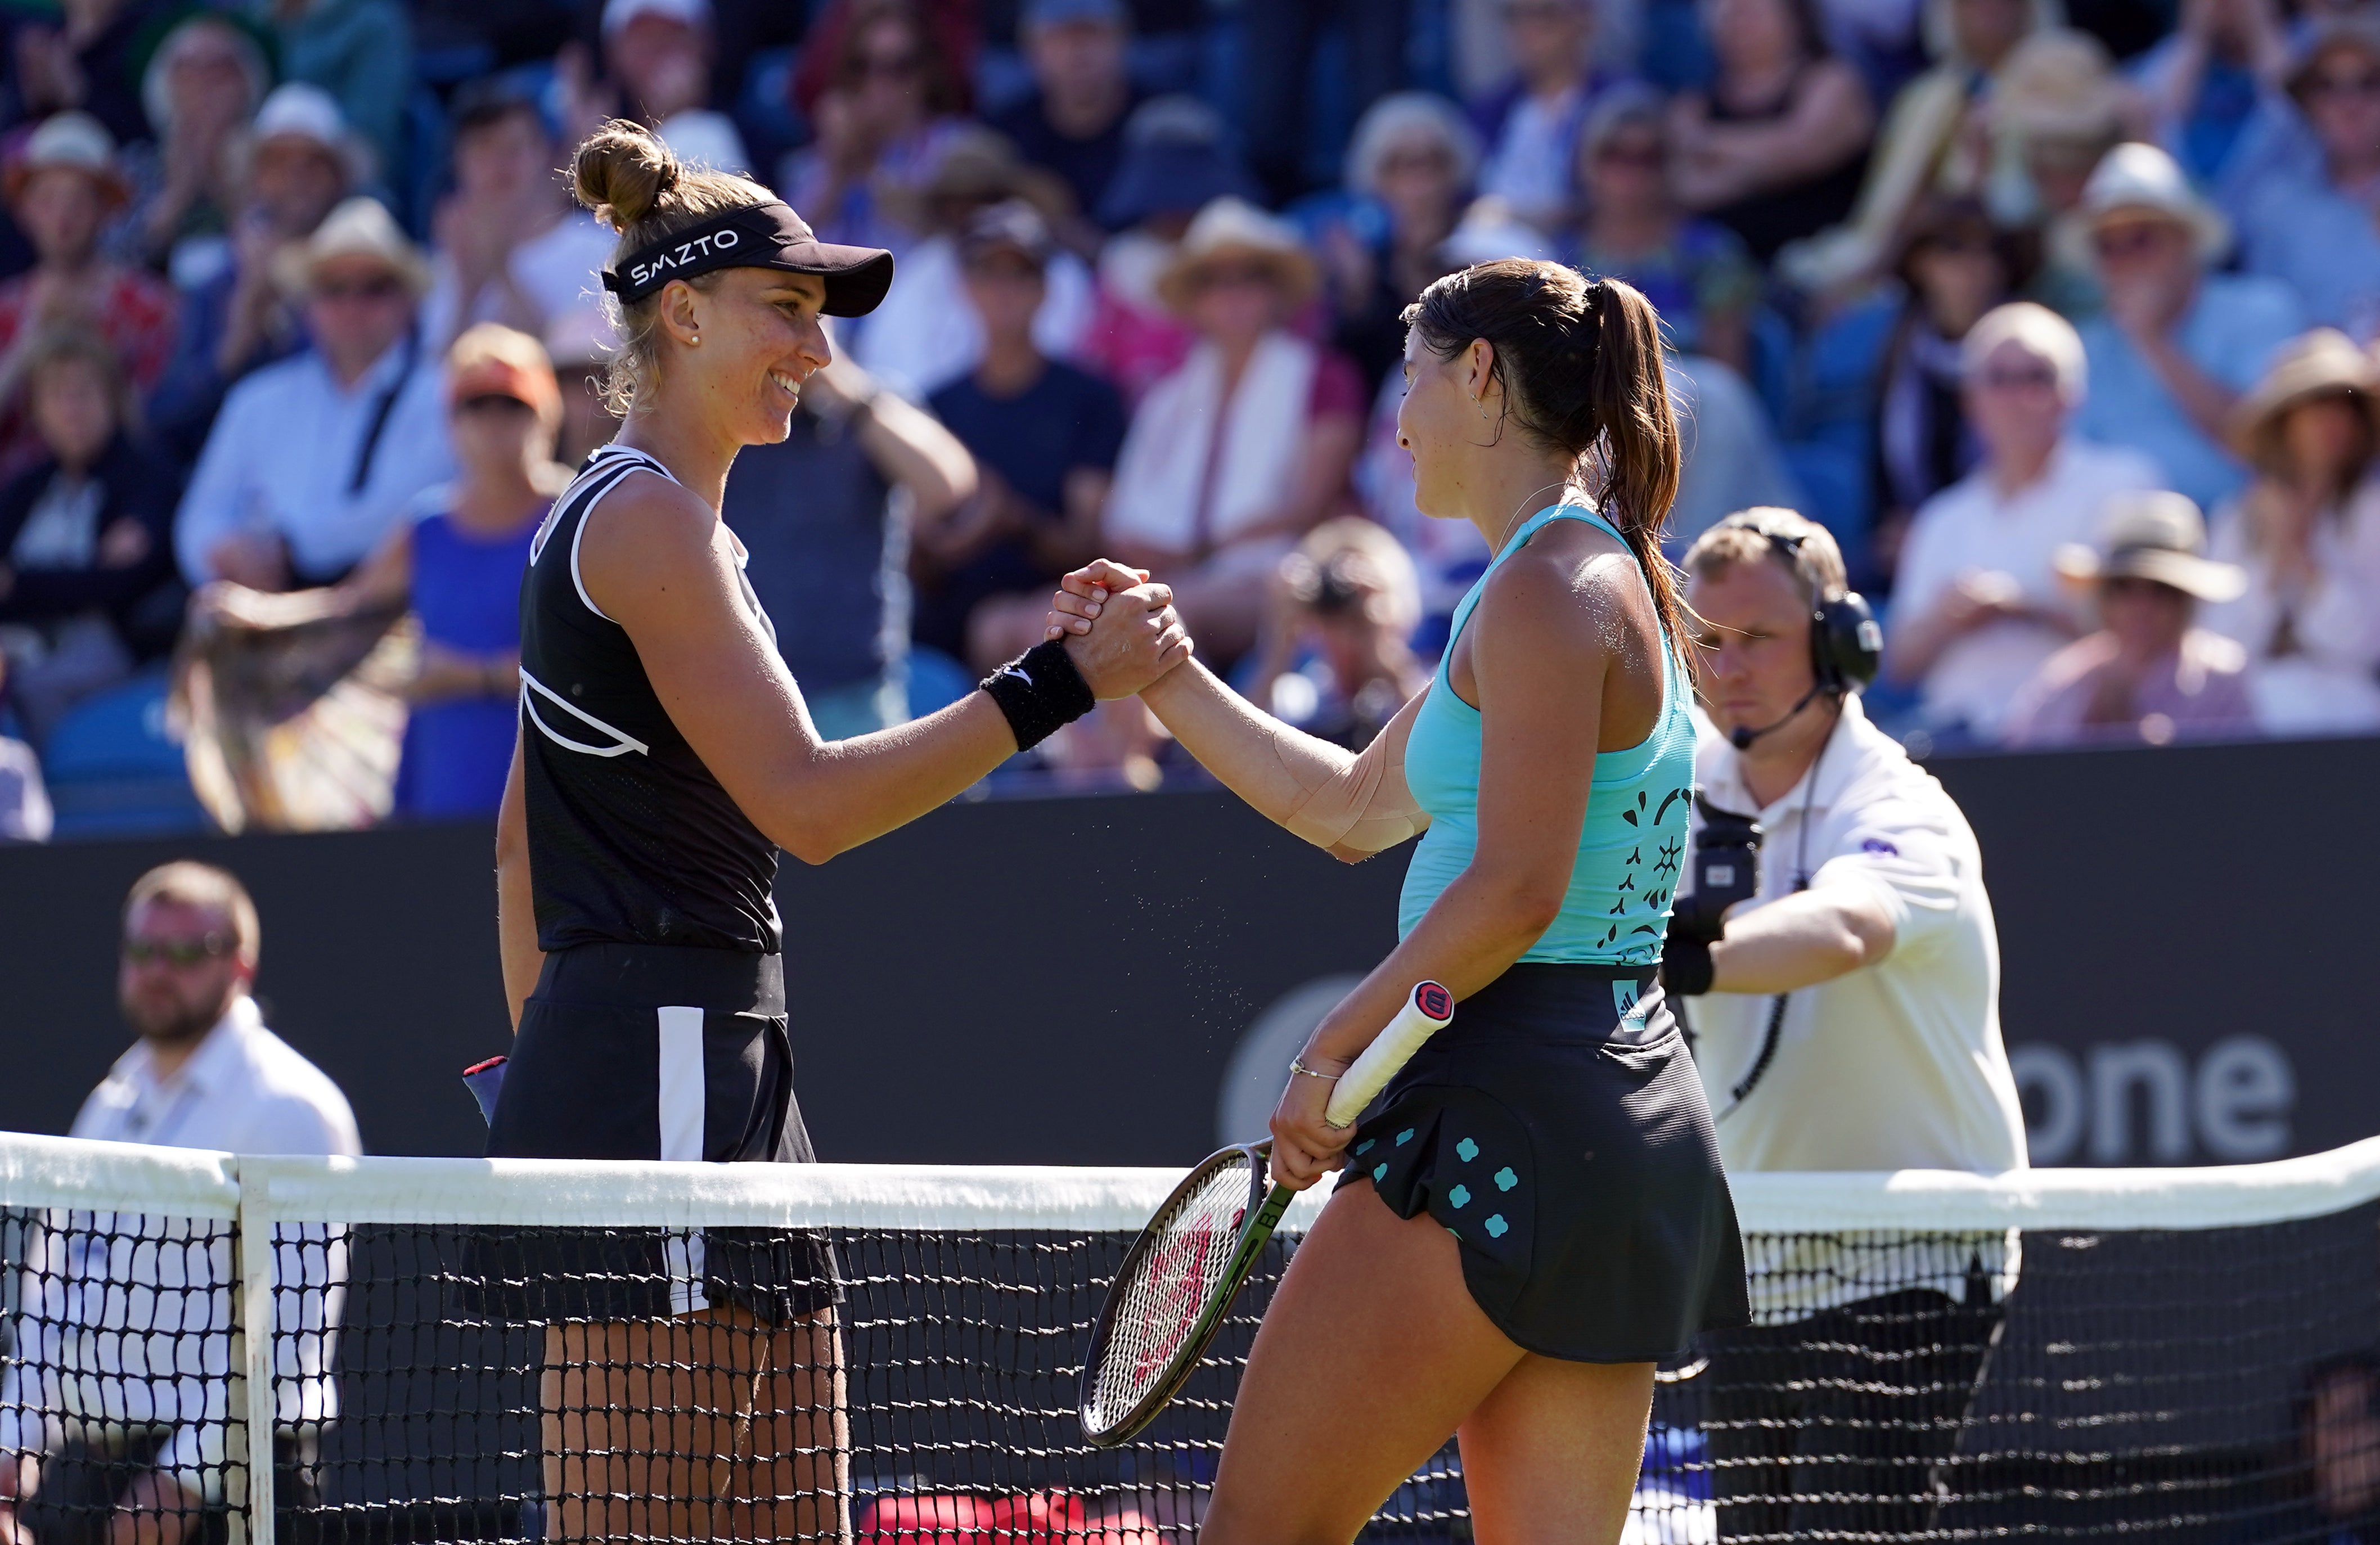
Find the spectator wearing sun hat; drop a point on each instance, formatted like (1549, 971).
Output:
(2149, 674)
(1233, 457)
(62, 188)
(2177, 343)
(2307, 533)
(314, 458)
(2317, 227)
(200, 90)
(296, 160)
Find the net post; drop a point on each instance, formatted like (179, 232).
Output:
(253, 1297)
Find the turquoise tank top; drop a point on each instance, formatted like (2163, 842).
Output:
(1635, 836)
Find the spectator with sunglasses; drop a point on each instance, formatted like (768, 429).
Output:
(110, 1431)
(2318, 228)
(313, 459)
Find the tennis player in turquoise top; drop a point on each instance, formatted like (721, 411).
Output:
(1533, 1214)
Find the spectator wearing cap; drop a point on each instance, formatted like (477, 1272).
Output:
(2176, 344)
(2149, 674)
(2316, 227)
(889, 110)
(315, 459)
(1232, 458)
(1977, 604)
(457, 565)
(296, 162)
(1410, 165)
(360, 52)
(1071, 124)
(1530, 124)
(925, 335)
(1044, 436)
(202, 86)
(87, 582)
(827, 538)
(1774, 147)
(2306, 533)
(511, 246)
(63, 189)
(1174, 165)
(1695, 271)
(85, 55)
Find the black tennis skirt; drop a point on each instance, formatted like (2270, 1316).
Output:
(1557, 1129)
(652, 1052)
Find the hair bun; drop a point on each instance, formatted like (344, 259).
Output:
(622, 171)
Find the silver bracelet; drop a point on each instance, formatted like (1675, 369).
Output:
(1297, 1066)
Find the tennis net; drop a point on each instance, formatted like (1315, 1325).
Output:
(452, 1349)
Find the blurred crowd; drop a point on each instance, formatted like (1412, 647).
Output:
(2059, 318)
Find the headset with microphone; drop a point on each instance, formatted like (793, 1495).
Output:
(1846, 643)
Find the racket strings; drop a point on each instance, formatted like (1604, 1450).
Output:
(1167, 1291)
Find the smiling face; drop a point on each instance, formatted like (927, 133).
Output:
(1751, 643)
(760, 339)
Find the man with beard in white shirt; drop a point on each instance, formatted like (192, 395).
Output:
(1847, 1006)
(114, 1407)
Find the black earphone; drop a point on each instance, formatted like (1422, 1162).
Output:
(1846, 641)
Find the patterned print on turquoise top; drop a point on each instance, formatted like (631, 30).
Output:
(1634, 835)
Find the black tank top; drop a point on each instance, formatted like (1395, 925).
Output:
(631, 840)
(1769, 219)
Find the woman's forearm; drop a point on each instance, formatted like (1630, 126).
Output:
(1266, 762)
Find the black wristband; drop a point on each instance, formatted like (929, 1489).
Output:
(1039, 691)
(1686, 969)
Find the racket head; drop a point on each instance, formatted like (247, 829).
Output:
(1176, 1284)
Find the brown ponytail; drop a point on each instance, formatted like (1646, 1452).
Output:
(634, 184)
(1582, 370)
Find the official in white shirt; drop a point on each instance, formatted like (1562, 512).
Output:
(114, 1407)
(1848, 1020)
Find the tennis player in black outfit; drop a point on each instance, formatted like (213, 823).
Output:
(693, 1380)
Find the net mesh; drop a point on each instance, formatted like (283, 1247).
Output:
(893, 1356)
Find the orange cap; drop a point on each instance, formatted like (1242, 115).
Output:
(488, 360)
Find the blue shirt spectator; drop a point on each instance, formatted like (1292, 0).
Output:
(1531, 125)
(315, 459)
(2316, 227)
(2176, 346)
(466, 594)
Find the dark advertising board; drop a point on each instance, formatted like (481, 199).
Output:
(2185, 934)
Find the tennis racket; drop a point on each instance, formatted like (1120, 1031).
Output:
(1182, 1272)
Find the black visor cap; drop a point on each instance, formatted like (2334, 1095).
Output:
(759, 236)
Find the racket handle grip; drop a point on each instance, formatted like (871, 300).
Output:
(1427, 1008)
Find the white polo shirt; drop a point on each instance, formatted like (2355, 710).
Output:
(1895, 1066)
(124, 1321)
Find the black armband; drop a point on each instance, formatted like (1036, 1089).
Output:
(1039, 691)
(1686, 969)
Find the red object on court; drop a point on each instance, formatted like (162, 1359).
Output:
(1038, 1518)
